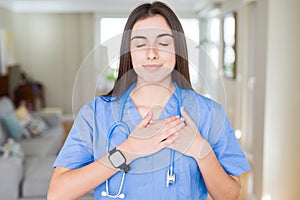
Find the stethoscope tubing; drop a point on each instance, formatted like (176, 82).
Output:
(120, 123)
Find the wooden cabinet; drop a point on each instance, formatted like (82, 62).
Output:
(20, 89)
(3, 86)
(31, 94)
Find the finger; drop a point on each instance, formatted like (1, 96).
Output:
(146, 120)
(187, 118)
(170, 132)
(173, 124)
(170, 140)
(162, 123)
(170, 119)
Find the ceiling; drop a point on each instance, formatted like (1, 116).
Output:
(99, 6)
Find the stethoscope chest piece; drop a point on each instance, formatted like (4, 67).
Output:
(118, 196)
(170, 178)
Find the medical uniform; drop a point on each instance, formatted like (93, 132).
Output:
(86, 143)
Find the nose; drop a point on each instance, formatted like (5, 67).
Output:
(152, 54)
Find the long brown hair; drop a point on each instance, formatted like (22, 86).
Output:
(127, 76)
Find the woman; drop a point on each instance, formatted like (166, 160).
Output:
(181, 144)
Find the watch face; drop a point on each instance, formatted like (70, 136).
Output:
(117, 159)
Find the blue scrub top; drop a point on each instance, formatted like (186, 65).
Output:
(86, 143)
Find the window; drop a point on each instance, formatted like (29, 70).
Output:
(191, 29)
(213, 37)
(110, 27)
(229, 35)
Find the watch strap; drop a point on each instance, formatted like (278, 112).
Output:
(112, 151)
(125, 167)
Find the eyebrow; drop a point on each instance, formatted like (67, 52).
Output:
(160, 35)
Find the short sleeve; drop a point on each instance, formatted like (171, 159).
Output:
(77, 150)
(225, 144)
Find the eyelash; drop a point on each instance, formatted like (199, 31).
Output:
(162, 44)
(141, 45)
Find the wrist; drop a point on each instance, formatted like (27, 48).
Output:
(127, 152)
(105, 161)
(201, 149)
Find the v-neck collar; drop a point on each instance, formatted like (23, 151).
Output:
(134, 117)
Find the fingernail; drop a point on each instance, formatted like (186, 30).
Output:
(146, 114)
(181, 125)
(182, 119)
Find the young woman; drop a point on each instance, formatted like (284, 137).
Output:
(152, 136)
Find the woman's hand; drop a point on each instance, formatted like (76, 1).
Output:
(150, 136)
(190, 141)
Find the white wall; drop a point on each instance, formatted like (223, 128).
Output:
(259, 61)
(51, 48)
(281, 172)
(5, 19)
(5, 27)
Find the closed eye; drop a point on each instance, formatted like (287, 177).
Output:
(140, 45)
(164, 44)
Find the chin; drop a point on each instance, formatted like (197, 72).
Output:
(154, 76)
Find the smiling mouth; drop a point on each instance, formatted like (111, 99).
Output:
(152, 67)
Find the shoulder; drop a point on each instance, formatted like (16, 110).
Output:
(91, 106)
(99, 101)
(201, 100)
(100, 106)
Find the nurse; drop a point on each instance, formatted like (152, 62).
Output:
(152, 136)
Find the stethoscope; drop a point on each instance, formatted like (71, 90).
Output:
(120, 123)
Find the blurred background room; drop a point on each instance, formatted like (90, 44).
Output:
(57, 55)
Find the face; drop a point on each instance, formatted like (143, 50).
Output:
(152, 49)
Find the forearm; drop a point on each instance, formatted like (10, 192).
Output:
(219, 184)
(72, 184)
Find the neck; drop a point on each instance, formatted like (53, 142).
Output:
(160, 89)
(166, 83)
(147, 95)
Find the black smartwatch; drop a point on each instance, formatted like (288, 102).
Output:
(118, 160)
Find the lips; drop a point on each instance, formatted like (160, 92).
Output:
(152, 66)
